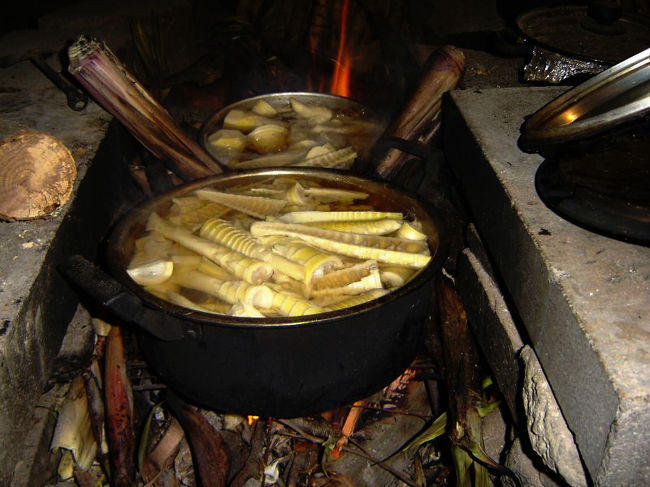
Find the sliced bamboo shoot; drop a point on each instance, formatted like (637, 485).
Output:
(153, 272)
(366, 283)
(335, 194)
(162, 289)
(229, 291)
(343, 277)
(338, 216)
(296, 195)
(251, 270)
(268, 138)
(208, 267)
(411, 231)
(264, 108)
(395, 276)
(376, 241)
(244, 309)
(228, 140)
(350, 244)
(256, 206)
(180, 300)
(314, 261)
(184, 237)
(289, 304)
(286, 158)
(192, 211)
(225, 233)
(245, 121)
(370, 227)
(339, 159)
(152, 246)
(314, 113)
(357, 299)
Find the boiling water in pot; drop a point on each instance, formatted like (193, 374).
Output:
(282, 247)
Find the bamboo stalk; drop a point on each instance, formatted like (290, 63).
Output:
(119, 412)
(115, 89)
(92, 381)
(419, 117)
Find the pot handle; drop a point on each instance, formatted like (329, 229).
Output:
(110, 294)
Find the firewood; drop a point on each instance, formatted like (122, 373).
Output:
(251, 469)
(209, 450)
(348, 427)
(153, 466)
(445, 68)
(37, 174)
(463, 375)
(119, 412)
(93, 383)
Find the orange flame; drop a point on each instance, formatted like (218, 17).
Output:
(252, 419)
(341, 77)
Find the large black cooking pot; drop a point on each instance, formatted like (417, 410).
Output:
(280, 367)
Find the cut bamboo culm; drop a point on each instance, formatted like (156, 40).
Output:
(420, 115)
(119, 411)
(118, 92)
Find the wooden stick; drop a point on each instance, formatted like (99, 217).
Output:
(419, 116)
(209, 450)
(92, 383)
(252, 467)
(119, 412)
(463, 375)
(348, 427)
(114, 88)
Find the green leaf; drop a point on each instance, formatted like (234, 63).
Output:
(433, 431)
(481, 476)
(462, 462)
(328, 445)
(487, 382)
(488, 408)
(146, 430)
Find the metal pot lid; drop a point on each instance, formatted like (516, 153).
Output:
(596, 33)
(614, 100)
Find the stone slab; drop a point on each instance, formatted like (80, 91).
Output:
(584, 299)
(493, 328)
(36, 303)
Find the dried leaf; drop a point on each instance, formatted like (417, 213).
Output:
(209, 450)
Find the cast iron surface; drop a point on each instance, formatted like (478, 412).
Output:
(286, 367)
(569, 30)
(607, 192)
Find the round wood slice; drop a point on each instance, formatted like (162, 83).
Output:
(37, 174)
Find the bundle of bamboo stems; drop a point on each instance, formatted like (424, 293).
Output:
(418, 120)
(115, 89)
